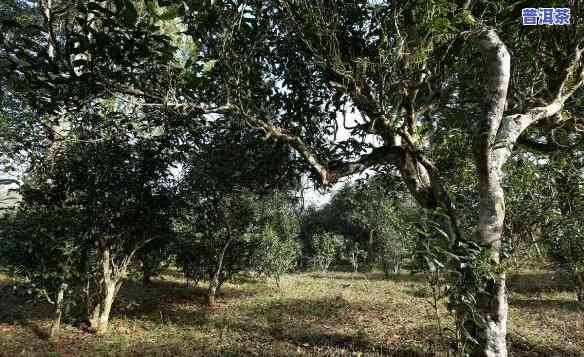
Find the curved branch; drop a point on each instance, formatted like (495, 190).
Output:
(330, 173)
(514, 125)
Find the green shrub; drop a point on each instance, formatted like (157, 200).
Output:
(325, 246)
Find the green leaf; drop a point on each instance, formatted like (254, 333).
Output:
(209, 65)
(152, 7)
(170, 13)
(130, 14)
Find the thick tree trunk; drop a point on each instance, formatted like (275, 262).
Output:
(492, 305)
(491, 332)
(94, 313)
(106, 306)
(430, 193)
(56, 325)
(106, 290)
(101, 311)
(496, 138)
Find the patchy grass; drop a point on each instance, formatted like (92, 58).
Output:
(312, 314)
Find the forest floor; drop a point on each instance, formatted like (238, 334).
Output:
(333, 314)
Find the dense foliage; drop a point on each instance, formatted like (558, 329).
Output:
(137, 121)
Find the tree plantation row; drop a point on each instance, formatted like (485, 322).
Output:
(141, 136)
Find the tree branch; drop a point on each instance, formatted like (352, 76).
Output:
(514, 125)
(545, 148)
(330, 173)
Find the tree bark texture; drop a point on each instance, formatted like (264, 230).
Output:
(492, 306)
(214, 284)
(107, 288)
(56, 325)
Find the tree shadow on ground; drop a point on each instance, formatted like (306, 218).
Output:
(374, 276)
(246, 278)
(16, 306)
(197, 316)
(230, 290)
(294, 325)
(19, 308)
(319, 325)
(169, 301)
(528, 283)
(283, 326)
(162, 300)
(547, 305)
(520, 346)
(349, 343)
(538, 282)
(162, 291)
(283, 350)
